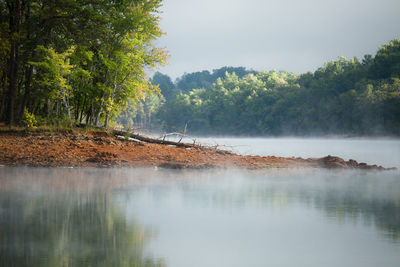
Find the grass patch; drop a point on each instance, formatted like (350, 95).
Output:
(60, 128)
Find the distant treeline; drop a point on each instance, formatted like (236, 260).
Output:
(349, 97)
(141, 114)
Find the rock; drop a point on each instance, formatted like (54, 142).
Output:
(331, 162)
(172, 165)
(352, 163)
(93, 159)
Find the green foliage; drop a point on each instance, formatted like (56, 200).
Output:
(205, 79)
(81, 60)
(141, 114)
(342, 97)
(387, 61)
(164, 83)
(29, 120)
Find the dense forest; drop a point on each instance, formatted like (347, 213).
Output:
(141, 114)
(76, 60)
(349, 97)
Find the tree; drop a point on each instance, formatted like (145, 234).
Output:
(386, 63)
(341, 97)
(111, 44)
(165, 84)
(53, 70)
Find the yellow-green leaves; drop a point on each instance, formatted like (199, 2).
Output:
(29, 120)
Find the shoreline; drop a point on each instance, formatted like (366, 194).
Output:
(76, 148)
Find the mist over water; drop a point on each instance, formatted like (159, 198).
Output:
(385, 152)
(160, 217)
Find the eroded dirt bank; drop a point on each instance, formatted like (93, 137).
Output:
(74, 148)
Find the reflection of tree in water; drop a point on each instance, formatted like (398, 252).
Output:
(86, 230)
(348, 198)
(350, 204)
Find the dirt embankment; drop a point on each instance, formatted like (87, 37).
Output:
(102, 149)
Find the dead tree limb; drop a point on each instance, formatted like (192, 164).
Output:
(156, 141)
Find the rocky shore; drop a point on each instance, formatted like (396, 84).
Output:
(102, 149)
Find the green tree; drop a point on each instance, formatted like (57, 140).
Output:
(386, 63)
(341, 97)
(166, 86)
(111, 44)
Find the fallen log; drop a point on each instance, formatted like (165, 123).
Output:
(156, 141)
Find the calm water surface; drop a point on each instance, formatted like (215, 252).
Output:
(158, 217)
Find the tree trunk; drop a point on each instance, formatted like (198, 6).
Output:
(65, 97)
(97, 118)
(28, 79)
(83, 108)
(99, 112)
(67, 107)
(106, 120)
(29, 54)
(15, 16)
(112, 100)
(89, 115)
(3, 94)
(77, 105)
(149, 121)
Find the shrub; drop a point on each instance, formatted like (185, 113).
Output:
(28, 119)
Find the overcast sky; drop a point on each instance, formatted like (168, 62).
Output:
(292, 35)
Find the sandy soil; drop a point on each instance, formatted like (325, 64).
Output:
(75, 148)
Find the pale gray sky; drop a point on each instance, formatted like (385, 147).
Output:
(293, 35)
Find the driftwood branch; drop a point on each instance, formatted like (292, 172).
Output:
(156, 141)
(169, 143)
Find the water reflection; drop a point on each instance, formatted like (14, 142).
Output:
(102, 217)
(370, 197)
(372, 201)
(57, 228)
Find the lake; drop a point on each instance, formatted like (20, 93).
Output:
(160, 217)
